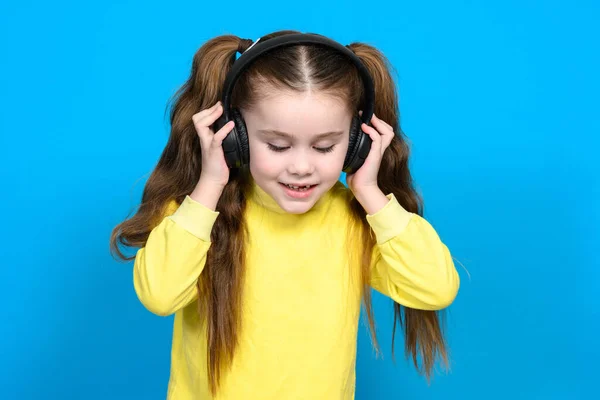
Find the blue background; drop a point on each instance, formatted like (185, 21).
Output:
(499, 100)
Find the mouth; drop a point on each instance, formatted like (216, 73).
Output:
(298, 188)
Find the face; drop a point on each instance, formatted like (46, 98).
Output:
(298, 143)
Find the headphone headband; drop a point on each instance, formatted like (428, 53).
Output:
(258, 48)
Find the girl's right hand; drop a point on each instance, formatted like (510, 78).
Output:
(214, 168)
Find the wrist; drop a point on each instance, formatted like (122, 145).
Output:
(371, 199)
(207, 193)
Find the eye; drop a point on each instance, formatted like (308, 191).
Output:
(325, 149)
(276, 148)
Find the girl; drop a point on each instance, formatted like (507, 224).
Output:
(264, 263)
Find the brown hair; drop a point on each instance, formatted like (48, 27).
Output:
(178, 170)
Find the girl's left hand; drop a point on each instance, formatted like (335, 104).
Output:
(365, 178)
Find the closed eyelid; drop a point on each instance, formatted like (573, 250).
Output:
(290, 143)
(320, 149)
(269, 134)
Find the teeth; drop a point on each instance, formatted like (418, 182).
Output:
(297, 187)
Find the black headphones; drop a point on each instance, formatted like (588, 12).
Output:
(235, 144)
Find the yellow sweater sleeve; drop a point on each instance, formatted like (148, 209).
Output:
(410, 264)
(167, 268)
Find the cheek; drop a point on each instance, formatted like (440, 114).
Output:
(337, 159)
(330, 165)
(262, 162)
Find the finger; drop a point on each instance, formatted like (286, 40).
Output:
(386, 132)
(390, 128)
(387, 135)
(209, 118)
(375, 136)
(222, 133)
(382, 125)
(204, 126)
(199, 115)
(387, 140)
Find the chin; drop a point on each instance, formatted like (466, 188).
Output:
(295, 208)
(299, 206)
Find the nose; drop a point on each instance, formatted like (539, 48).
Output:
(300, 164)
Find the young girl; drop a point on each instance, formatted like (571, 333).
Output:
(258, 249)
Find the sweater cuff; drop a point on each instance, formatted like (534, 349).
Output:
(390, 221)
(195, 218)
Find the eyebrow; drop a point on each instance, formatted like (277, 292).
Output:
(273, 132)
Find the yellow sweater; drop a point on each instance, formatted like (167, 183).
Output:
(301, 295)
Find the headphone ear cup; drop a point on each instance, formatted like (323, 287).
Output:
(230, 143)
(354, 128)
(358, 147)
(242, 137)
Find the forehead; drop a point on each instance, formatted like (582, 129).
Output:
(306, 113)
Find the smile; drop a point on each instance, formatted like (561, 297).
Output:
(298, 191)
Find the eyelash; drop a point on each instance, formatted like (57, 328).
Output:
(281, 149)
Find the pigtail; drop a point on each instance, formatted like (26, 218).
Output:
(178, 167)
(175, 176)
(422, 328)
